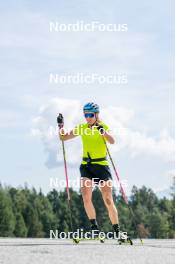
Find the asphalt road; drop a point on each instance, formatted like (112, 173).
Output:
(42, 251)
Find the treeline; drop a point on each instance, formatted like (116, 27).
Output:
(25, 212)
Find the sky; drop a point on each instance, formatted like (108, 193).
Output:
(140, 112)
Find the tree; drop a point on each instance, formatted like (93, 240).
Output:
(172, 215)
(7, 219)
(158, 224)
(35, 228)
(24, 212)
(20, 227)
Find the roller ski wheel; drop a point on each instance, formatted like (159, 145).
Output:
(129, 241)
(76, 240)
(102, 240)
(125, 241)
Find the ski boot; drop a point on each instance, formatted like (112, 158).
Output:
(95, 234)
(123, 238)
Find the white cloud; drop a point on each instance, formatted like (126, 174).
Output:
(45, 127)
(118, 118)
(141, 144)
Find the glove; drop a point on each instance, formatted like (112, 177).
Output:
(60, 120)
(100, 129)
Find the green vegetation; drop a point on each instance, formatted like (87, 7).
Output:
(28, 213)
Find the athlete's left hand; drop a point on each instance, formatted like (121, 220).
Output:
(100, 129)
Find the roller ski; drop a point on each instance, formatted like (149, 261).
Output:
(94, 234)
(77, 240)
(121, 237)
(124, 239)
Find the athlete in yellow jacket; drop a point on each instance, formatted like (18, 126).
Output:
(94, 167)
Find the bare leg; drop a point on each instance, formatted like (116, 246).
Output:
(106, 190)
(86, 190)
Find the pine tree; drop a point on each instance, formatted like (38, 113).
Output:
(7, 219)
(158, 224)
(35, 228)
(20, 227)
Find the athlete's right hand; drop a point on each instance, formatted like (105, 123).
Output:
(60, 120)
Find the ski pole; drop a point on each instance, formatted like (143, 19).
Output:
(121, 188)
(60, 123)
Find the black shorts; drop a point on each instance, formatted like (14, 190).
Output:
(95, 172)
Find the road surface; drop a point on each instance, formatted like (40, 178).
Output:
(46, 251)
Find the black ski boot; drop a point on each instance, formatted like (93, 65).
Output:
(122, 237)
(95, 231)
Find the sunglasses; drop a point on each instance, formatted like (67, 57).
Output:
(89, 115)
